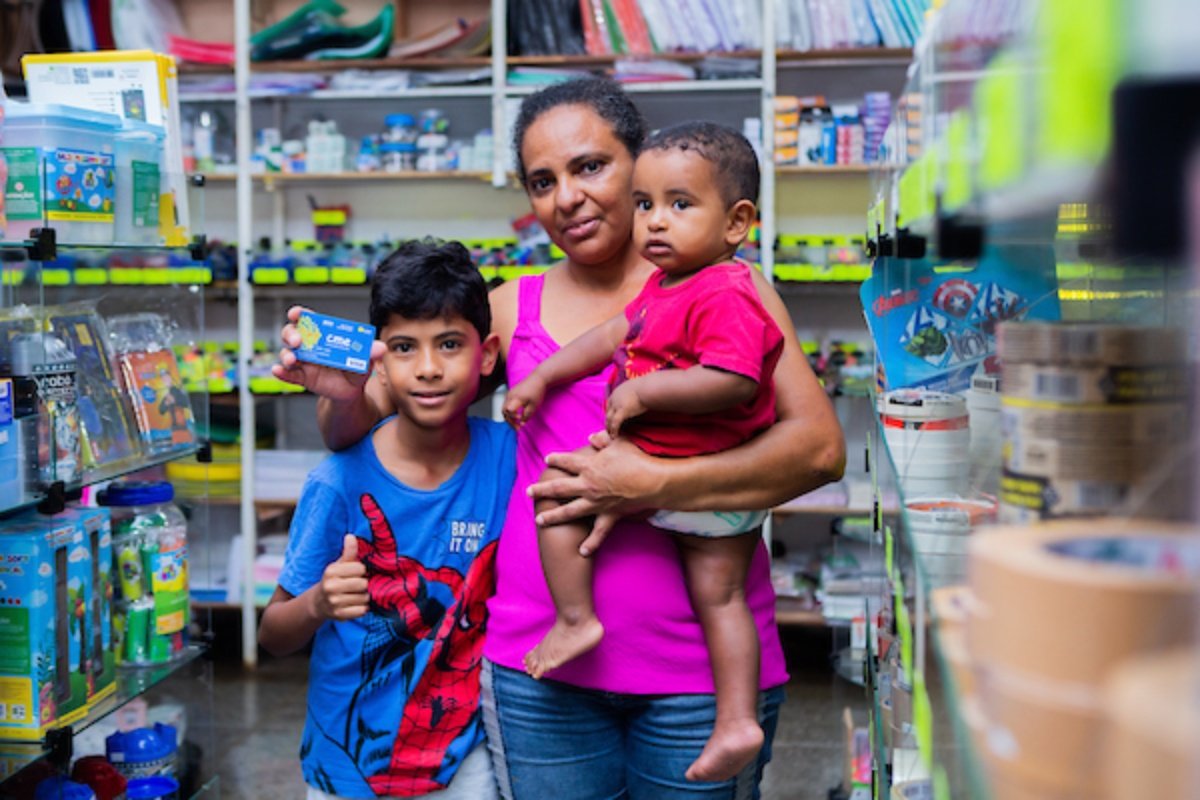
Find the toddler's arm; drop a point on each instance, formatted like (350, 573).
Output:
(289, 622)
(696, 390)
(584, 356)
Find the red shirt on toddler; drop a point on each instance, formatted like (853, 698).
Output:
(714, 319)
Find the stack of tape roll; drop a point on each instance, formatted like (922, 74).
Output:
(939, 527)
(1152, 708)
(920, 789)
(983, 408)
(1088, 411)
(929, 439)
(951, 613)
(1055, 608)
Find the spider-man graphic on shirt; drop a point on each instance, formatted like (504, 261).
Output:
(393, 705)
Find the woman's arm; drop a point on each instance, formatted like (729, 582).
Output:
(803, 450)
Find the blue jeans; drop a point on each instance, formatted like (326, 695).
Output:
(552, 741)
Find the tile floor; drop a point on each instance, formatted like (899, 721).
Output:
(256, 718)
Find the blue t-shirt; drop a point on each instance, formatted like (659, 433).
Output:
(393, 697)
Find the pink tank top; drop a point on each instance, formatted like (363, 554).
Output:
(653, 643)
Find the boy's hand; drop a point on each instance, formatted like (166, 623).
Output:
(623, 404)
(336, 384)
(523, 400)
(342, 593)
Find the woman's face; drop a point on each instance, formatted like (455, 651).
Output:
(579, 181)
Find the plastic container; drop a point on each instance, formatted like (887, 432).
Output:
(143, 753)
(929, 439)
(398, 156)
(399, 128)
(60, 172)
(60, 788)
(101, 776)
(158, 787)
(150, 559)
(139, 150)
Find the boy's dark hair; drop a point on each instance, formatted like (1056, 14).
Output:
(602, 95)
(730, 153)
(429, 279)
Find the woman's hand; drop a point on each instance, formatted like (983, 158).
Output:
(336, 384)
(613, 479)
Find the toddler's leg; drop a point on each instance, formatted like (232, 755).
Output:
(716, 577)
(569, 577)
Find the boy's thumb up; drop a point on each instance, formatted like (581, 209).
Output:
(349, 549)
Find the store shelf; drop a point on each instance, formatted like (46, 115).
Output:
(788, 613)
(669, 87)
(106, 473)
(356, 177)
(849, 57)
(412, 93)
(798, 170)
(131, 682)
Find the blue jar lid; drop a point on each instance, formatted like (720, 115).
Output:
(398, 147)
(153, 787)
(141, 744)
(399, 120)
(136, 493)
(58, 787)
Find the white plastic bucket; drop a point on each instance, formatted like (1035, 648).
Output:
(929, 440)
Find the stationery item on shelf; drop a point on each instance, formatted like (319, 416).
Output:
(450, 36)
(132, 84)
(3, 167)
(139, 151)
(334, 342)
(95, 526)
(1067, 389)
(151, 556)
(1057, 608)
(935, 326)
(1152, 723)
(60, 172)
(150, 377)
(157, 787)
(105, 425)
(314, 32)
(45, 599)
(928, 438)
(12, 479)
(52, 442)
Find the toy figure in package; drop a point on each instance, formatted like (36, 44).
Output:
(935, 326)
(151, 378)
(104, 418)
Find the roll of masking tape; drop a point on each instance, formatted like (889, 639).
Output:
(1047, 732)
(1026, 499)
(1065, 460)
(1152, 708)
(1088, 344)
(1112, 424)
(1098, 385)
(1067, 600)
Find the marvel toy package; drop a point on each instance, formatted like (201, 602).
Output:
(934, 325)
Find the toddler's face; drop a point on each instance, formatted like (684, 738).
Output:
(681, 221)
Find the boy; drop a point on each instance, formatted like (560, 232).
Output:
(391, 552)
(694, 356)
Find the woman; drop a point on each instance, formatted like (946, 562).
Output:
(626, 719)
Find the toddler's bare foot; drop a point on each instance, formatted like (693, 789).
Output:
(563, 643)
(727, 752)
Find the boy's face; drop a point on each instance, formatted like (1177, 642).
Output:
(681, 221)
(432, 367)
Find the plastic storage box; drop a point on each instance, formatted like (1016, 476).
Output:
(139, 151)
(60, 162)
